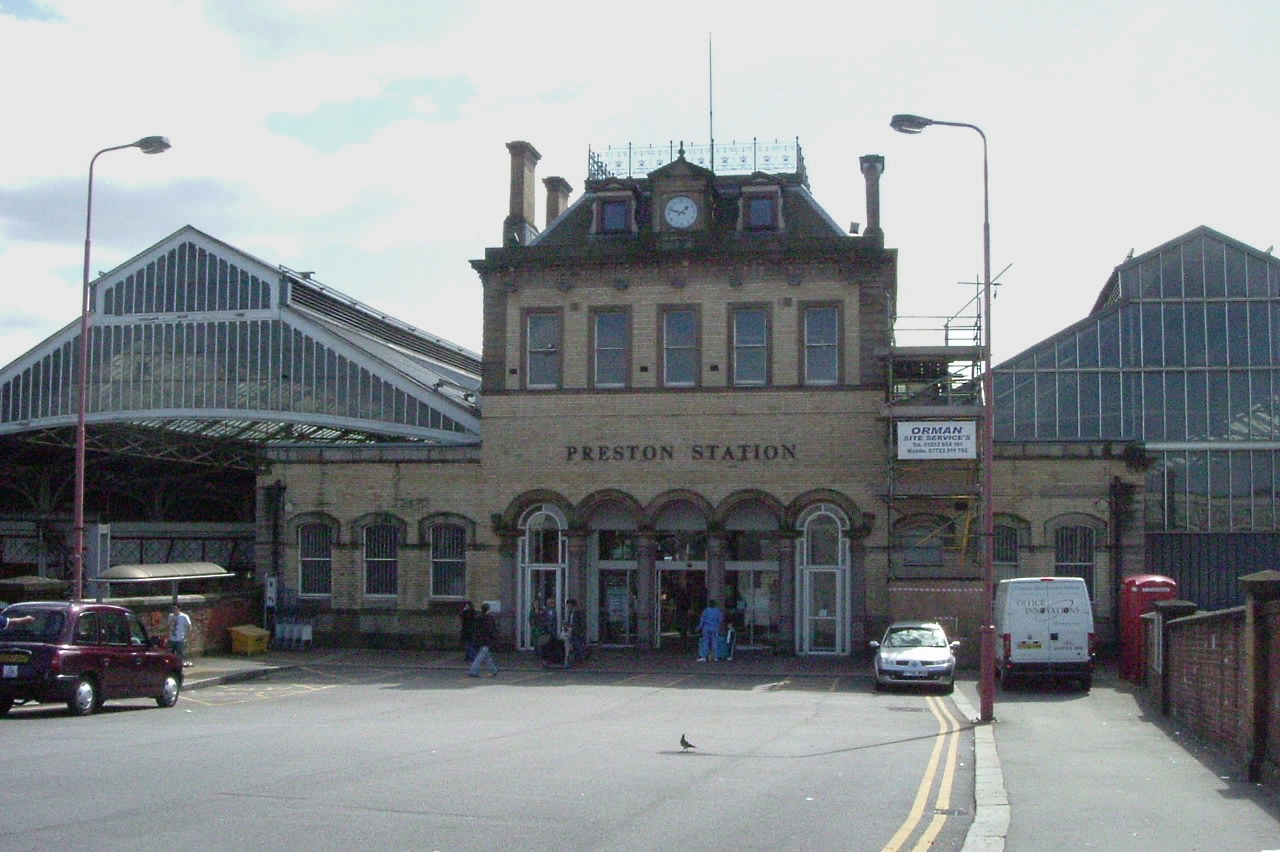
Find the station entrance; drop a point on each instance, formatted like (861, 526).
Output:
(783, 593)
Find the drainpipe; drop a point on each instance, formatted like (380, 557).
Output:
(274, 494)
(1121, 499)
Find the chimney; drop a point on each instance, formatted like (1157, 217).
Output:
(558, 191)
(872, 168)
(518, 228)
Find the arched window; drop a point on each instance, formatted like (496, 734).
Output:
(1011, 536)
(381, 559)
(1077, 538)
(922, 541)
(448, 560)
(543, 536)
(315, 558)
(1007, 552)
(1075, 552)
(820, 545)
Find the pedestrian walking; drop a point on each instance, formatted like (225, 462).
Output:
(574, 633)
(543, 630)
(179, 624)
(468, 619)
(709, 626)
(486, 634)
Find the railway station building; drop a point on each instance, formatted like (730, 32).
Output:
(690, 389)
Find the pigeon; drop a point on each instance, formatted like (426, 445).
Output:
(685, 745)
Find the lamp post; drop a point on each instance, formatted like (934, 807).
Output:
(904, 123)
(148, 145)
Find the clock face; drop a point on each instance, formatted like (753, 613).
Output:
(681, 211)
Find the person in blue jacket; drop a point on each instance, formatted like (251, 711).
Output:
(709, 626)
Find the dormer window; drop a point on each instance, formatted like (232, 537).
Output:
(761, 213)
(615, 213)
(760, 208)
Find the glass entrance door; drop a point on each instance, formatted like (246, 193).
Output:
(681, 587)
(752, 603)
(537, 586)
(822, 616)
(682, 595)
(615, 606)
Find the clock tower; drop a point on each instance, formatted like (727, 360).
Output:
(683, 196)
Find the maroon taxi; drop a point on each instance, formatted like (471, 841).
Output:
(82, 654)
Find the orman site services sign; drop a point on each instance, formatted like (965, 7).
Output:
(938, 439)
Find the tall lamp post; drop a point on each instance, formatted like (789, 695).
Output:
(148, 145)
(904, 123)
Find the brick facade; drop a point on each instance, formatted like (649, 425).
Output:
(704, 486)
(1207, 676)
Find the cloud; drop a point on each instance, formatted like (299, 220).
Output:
(28, 10)
(54, 211)
(334, 126)
(268, 28)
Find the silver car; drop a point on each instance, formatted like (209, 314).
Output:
(915, 652)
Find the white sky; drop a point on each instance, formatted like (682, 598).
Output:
(364, 139)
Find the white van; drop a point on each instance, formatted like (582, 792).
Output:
(1044, 630)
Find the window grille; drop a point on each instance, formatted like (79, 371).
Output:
(315, 559)
(448, 561)
(381, 559)
(1074, 554)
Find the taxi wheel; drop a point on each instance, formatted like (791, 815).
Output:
(169, 696)
(85, 699)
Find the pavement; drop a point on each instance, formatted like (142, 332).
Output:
(215, 670)
(993, 814)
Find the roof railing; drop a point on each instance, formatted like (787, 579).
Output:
(631, 161)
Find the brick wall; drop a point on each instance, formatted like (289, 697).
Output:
(1208, 678)
(212, 616)
(1270, 770)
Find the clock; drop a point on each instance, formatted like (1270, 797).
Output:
(681, 211)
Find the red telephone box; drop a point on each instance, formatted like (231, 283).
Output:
(1138, 595)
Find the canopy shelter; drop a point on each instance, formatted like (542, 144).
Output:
(30, 588)
(199, 340)
(174, 572)
(200, 356)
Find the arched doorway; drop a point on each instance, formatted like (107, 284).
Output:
(680, 568)
(752, 587)
(613, 582)
(542, 558)
(823, 581)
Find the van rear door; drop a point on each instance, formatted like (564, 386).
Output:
(1024, 615)
(1070, 621)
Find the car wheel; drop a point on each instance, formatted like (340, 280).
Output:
(948, 688)
(1006, 679)
(5, 704)
(1086, 683)
(85, 699)
(169, 697)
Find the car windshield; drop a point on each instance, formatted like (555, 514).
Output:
(915, 637)
(45, 628)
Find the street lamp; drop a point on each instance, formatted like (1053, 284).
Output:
(905, 123)
(148, 145)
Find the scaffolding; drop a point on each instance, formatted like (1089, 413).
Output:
(933, 369)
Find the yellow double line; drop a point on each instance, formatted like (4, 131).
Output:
(948, 739)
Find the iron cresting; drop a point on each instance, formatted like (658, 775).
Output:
(669, 452)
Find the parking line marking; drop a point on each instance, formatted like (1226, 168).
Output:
(948, 734)
(943, 802)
